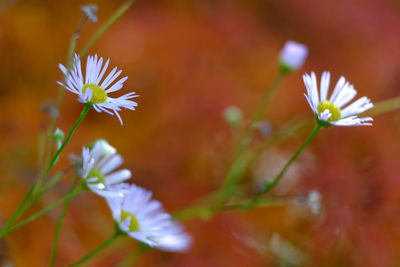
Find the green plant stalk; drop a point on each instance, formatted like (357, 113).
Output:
(61, 90)
(118, 13)
(52, 125)
(262, 203)
(52, 182)
(43, 211)
(203, 210)
(259, 112)
(207, 212)
(22, 207)
(60, 221)
(114, 17)
(17, 212)
(25, 204)
(41, 149)
(96, 250)
(80, 119)
(270, 185)
(235, 171)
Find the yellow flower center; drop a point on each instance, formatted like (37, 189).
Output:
(94, 172)
(98, 96)
(334, 110)
(134, 226)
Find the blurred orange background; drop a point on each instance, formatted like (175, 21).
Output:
(188, 60)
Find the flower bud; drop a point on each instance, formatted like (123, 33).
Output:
(233, 115)
(58, 135)
(105, 149)
(292, 56)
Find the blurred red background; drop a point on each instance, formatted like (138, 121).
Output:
(189, 60)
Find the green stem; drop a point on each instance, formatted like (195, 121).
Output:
(60, 96)
(18, 212)
(42, 190)
(96, 250)
(275, 181)
(24, 205)
(207, 212)
(114, 17)
(238, 165)
(81, 117)
(52, 182)
(43, 211)
(123, 8)
(59, 223)
(269, 93)
(202, 212)
(261, 203)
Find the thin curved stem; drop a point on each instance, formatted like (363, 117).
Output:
(18, 212)
(43, 211)
(60, 96)
(114, 17)
(24, 205)
(80, 119)
(270, 185)
(59, 223)
(202, 209)
(237, 167)
(96, 250)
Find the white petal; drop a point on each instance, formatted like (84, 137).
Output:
(177, 243)
(347, 94)
(338, 88)
(117, 177)
(325, 78)
(112, 163)
(362, 104)
(102, 72)
(353, 121)
(117, 86)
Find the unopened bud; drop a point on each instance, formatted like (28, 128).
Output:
(233, 115)
(58, 135)
(292, 56)
(105, 149)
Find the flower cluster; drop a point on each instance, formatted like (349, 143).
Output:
(132, 207)
(134, 211)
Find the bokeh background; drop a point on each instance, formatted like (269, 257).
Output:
(189, 60)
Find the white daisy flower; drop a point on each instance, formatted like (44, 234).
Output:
(332, 111)
(91, 91)
(292, 56)
(98, 165)
(145, 220)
